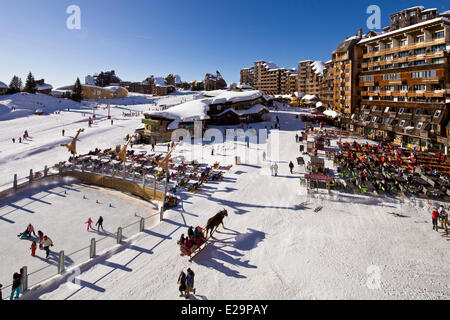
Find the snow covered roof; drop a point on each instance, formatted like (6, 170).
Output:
(331, 113)
(185, 112)
(160, 82)
(271, 65)
(3, 86)
(45, 86)
(309, 97)
(198, 109)
(224, 96)
(402, 30)
(257, 108)
(318, 67)
(431, 9)
(113, 88)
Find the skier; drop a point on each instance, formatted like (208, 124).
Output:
(291, 166)
(182, 283)
(47, 243)
(189, 283)
(89, 224)
(275, 169)
(33, 248)
(434, 217)
(100, 224)
(15, 286)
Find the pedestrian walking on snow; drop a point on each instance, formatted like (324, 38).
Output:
(63, 131)
(100, 224)
(47, 243)
(13, 140)
(291, 167)
(275, 169)
(15, 290)
(264, 156)
(89, 224)
(443, 217)
(41, 238)
(434, 218)
(272, 169)
(189, 283)
(182, 283)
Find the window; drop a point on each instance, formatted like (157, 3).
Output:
(403, 43)
(367, 79)
(419, 62)
(419, 51)
(374, 119)
(401, 110)
(420, 125)
(438, 35)
(404, 88)
(362, 107)
(386, 110)
(437, 48)
(387, 120)
(437, 113)
(403, 54)
(374, 108)
(391, 76)
(419, 87)
(404, 65)
(417, 112)
(402, 123)
(437, 60)
(389, 66)
(388, 45)
(420, 39)
(423, 74)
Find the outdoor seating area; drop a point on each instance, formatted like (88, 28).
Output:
(388, 169)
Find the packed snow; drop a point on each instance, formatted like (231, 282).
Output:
(274, 245)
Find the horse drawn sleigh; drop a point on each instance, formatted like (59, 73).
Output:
(198, 239)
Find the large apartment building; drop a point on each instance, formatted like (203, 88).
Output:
(405, 81)
(326, 94)
(309, 78)
(270, 78)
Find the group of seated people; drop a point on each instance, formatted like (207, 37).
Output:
(193, 241)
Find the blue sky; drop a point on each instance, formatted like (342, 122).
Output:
(139, 38)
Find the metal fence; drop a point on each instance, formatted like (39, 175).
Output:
(60, 261)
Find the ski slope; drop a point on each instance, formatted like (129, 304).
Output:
(274, 245)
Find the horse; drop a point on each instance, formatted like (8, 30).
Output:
(214, 222)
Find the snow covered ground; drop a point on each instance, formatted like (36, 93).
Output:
(274, 245)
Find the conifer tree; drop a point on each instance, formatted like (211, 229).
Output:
(30, 84)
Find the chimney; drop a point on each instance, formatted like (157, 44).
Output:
(360, 33)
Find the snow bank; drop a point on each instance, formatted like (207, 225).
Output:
(26, 104)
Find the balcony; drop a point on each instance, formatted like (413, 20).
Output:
(435, 94)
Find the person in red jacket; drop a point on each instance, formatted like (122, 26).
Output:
(33, 248)
(435, 216)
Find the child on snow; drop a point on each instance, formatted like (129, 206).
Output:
(33, 248)
(89, 224)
